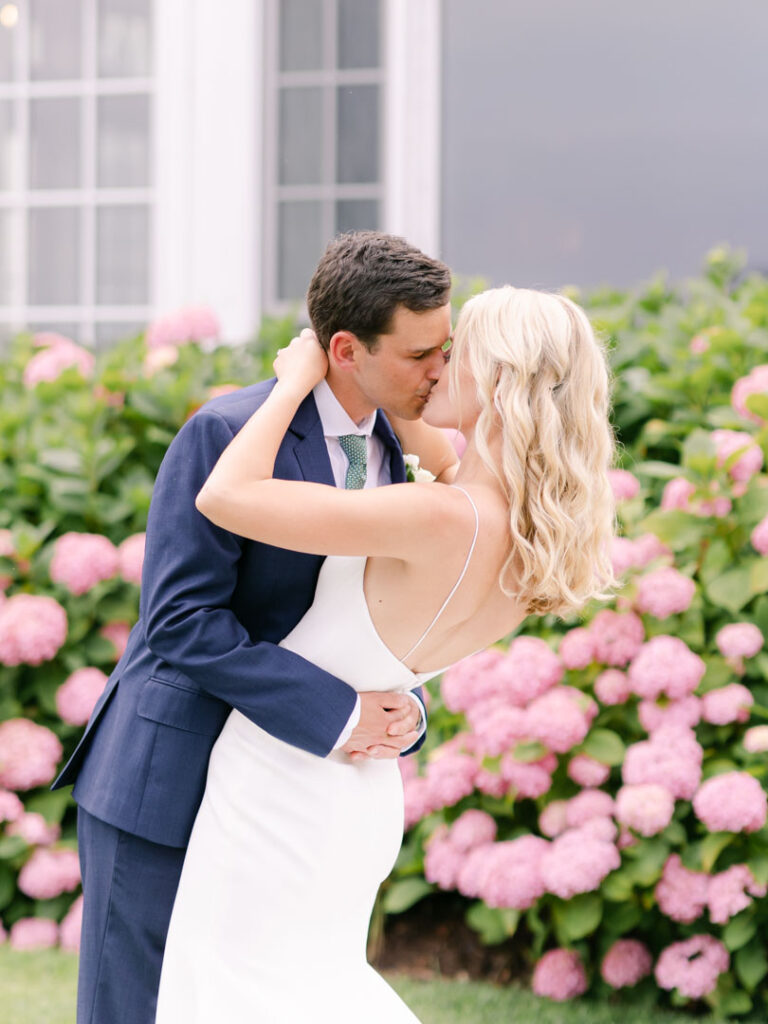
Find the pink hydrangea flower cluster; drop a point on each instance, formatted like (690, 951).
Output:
(665, 664)
(727, 443)
(497, 727)
(557, 720)
(160, 358)
(645, 808)
(529, 670)
(49, 873)
(680, 892)
(29, 754)
(737, 641)
(759, 537)
(577, 861)
(77, 695)
(664, 592)
(11, 808)
(624, 484)
(683, 894)
(523, 779)
(727, 704)
(685, 712)
(506, 874)
(472, 828)
(33, 933)
(81, 560)
(729, 892)
(586, 805)
(131, 556)
(679, 494)
(472, 681)
(577, 648)
(612, 687)
(731, 802)
(755, 740)
(196, 323)
(450, 777)
(755, 383)
(117, 633)
(626, 962)
(693, 966)
(637, 553)
(58, 354)
(34, 829)
(618, 637)
(671, 757)
(32, 629)
(559, 975)
(71, 927)
(553, 818)
(586, 771)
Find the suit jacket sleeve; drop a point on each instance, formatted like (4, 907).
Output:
(189, 575)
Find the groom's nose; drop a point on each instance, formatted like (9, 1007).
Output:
(436, 365)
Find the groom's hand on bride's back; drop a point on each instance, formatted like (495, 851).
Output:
(389, 723)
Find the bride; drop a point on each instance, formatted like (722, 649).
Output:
(288, 849)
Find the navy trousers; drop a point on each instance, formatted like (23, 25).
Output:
(129, 886)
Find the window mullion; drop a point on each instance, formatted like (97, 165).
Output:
(330, 170)
(20, 245)
(88, 146)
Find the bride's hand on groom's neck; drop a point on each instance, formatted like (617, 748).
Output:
(303, 364)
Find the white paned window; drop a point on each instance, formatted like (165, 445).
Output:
(76, 167)
(324, 129)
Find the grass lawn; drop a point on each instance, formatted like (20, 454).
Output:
(39, 988)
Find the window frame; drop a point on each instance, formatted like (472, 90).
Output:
(86, 314)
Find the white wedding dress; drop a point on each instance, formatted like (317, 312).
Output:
(288, 851)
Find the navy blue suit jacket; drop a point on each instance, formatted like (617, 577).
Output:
(213, 607)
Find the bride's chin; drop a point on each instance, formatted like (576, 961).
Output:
(434, 416)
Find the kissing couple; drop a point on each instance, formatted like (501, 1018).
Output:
(239, 798)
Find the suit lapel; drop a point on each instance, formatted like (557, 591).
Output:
(384, 432)
(310, 449)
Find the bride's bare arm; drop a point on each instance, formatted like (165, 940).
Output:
(399, 521)
(431, 444)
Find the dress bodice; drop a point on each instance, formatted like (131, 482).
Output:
(338, 634)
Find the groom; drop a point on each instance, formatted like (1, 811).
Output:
(214, 606)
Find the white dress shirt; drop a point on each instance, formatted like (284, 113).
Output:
(337, 422)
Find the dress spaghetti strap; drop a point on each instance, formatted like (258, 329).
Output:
(456, 585)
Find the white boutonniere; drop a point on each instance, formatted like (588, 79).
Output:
(416, 473)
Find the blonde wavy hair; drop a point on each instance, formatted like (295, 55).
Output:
(542, 375)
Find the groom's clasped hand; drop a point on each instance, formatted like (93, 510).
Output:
(389, 722)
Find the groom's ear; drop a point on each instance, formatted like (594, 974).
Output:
(344, 350)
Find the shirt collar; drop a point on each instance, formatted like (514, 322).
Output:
(335, 419)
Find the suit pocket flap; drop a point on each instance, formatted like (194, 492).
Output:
(180, 708)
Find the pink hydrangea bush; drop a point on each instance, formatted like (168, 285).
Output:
(693, 966)
(131, 558)
(626, 963)
(49, 873)
(77, 695)
(559, 975)
(755, 383)
(29, 754)
(731, 802)
(58, 354)
(81, 560)
(33, 628)
(31, 933)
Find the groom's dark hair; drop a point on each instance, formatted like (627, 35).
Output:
(361, 279)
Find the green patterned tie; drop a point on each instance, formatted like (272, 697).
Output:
(354, 447)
